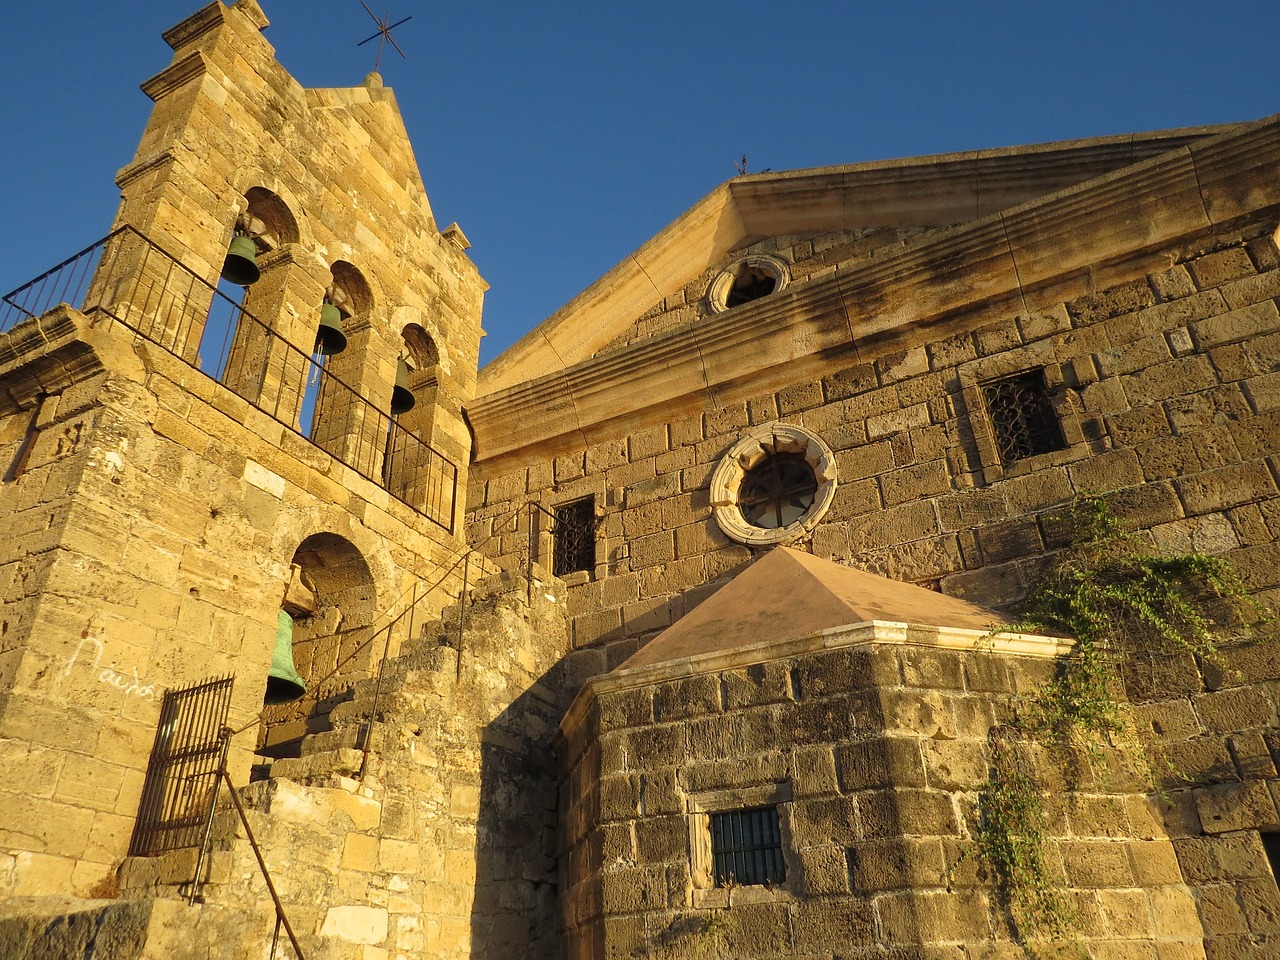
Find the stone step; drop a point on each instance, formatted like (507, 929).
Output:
(342, 762)
(172, 872)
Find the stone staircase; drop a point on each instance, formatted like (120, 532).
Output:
(332, 817)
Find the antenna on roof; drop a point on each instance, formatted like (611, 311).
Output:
(383, 36)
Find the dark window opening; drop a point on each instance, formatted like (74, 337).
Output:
(746, 846)
(751, 283)
(1271, 844)
(777, 491)
(574, 537)
(1024, 420)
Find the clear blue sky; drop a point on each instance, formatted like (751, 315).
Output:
(563, 135)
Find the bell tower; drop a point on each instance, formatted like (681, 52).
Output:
(252, 403)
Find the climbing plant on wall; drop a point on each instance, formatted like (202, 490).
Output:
(1117, 599)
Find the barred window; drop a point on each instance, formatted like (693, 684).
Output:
(777, 491)
(746, 847)
(1024, 420)
(574, 536)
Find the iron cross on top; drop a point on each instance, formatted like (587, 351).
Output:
(383, 36)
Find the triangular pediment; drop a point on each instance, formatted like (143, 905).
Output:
(915, 194)
(787, 594)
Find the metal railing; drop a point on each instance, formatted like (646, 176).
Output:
(131, 280)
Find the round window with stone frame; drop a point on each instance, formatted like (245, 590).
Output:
(748, 279)
(773, 485)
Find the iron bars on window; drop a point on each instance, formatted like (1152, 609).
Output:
(1024, 420)
(746, 846)
(182, 775)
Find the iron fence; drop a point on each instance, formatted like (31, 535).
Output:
(182, 775)
(131, 280)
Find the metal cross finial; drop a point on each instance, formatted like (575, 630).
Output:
(383, 36)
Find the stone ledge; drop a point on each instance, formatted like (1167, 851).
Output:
(834, 638)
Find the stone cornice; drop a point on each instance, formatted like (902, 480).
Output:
(177, 74)
(835, 638)
(919, 192)
(45, 355)
(205, 19)
(1002, 259)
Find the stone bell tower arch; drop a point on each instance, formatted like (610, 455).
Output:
(154, 498)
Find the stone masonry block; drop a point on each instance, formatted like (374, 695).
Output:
(619, 798)
(652, 747)
(850, 381)
(1215, 269)
(755, 685)
(1227, 807)
(1123, 298)
(953, 764)
(648, 443)
(814, 772)
(825, 869)
(661, 839)
(689, 697)
(1237, 325)
(1236, 709)
(879, 763)
(1093, 864)
(1214, 490)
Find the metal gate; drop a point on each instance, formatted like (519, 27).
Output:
(182, 775)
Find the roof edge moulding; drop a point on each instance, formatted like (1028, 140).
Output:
(938, 190)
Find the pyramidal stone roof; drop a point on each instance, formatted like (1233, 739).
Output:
(787, 594)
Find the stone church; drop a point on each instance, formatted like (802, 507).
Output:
(673, 631)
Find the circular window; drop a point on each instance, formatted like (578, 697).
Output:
(748, 279)
(773, 485)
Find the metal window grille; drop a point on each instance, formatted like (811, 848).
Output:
(1024, 420)
(182, 775)
(746, 847)
(573, 532)
(777, 491)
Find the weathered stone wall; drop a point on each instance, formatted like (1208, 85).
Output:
(1162, 384)
(439, 843)
(806, 256)
(166, 514)
(876, 755)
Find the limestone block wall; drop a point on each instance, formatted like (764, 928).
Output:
(1161, 381)
(873, 756)
(157, 517)
(806, 256)
(1213, 729)
(327, 181)
(441, 842)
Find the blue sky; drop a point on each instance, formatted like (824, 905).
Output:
(563, 135)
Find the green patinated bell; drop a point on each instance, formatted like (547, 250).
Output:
(241, 265)
(402, 398)
(329, 336)
(283, 682)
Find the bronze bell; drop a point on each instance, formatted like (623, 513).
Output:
(402, 398)
(241, 265)
(329, 336)
(283, 682)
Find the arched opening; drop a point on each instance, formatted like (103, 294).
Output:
(330, 415)
(332, 601)
(234, 348)
(412, 468)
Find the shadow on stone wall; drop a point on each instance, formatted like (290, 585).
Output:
(516, 910)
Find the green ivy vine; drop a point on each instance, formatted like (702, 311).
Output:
(1116, 598)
